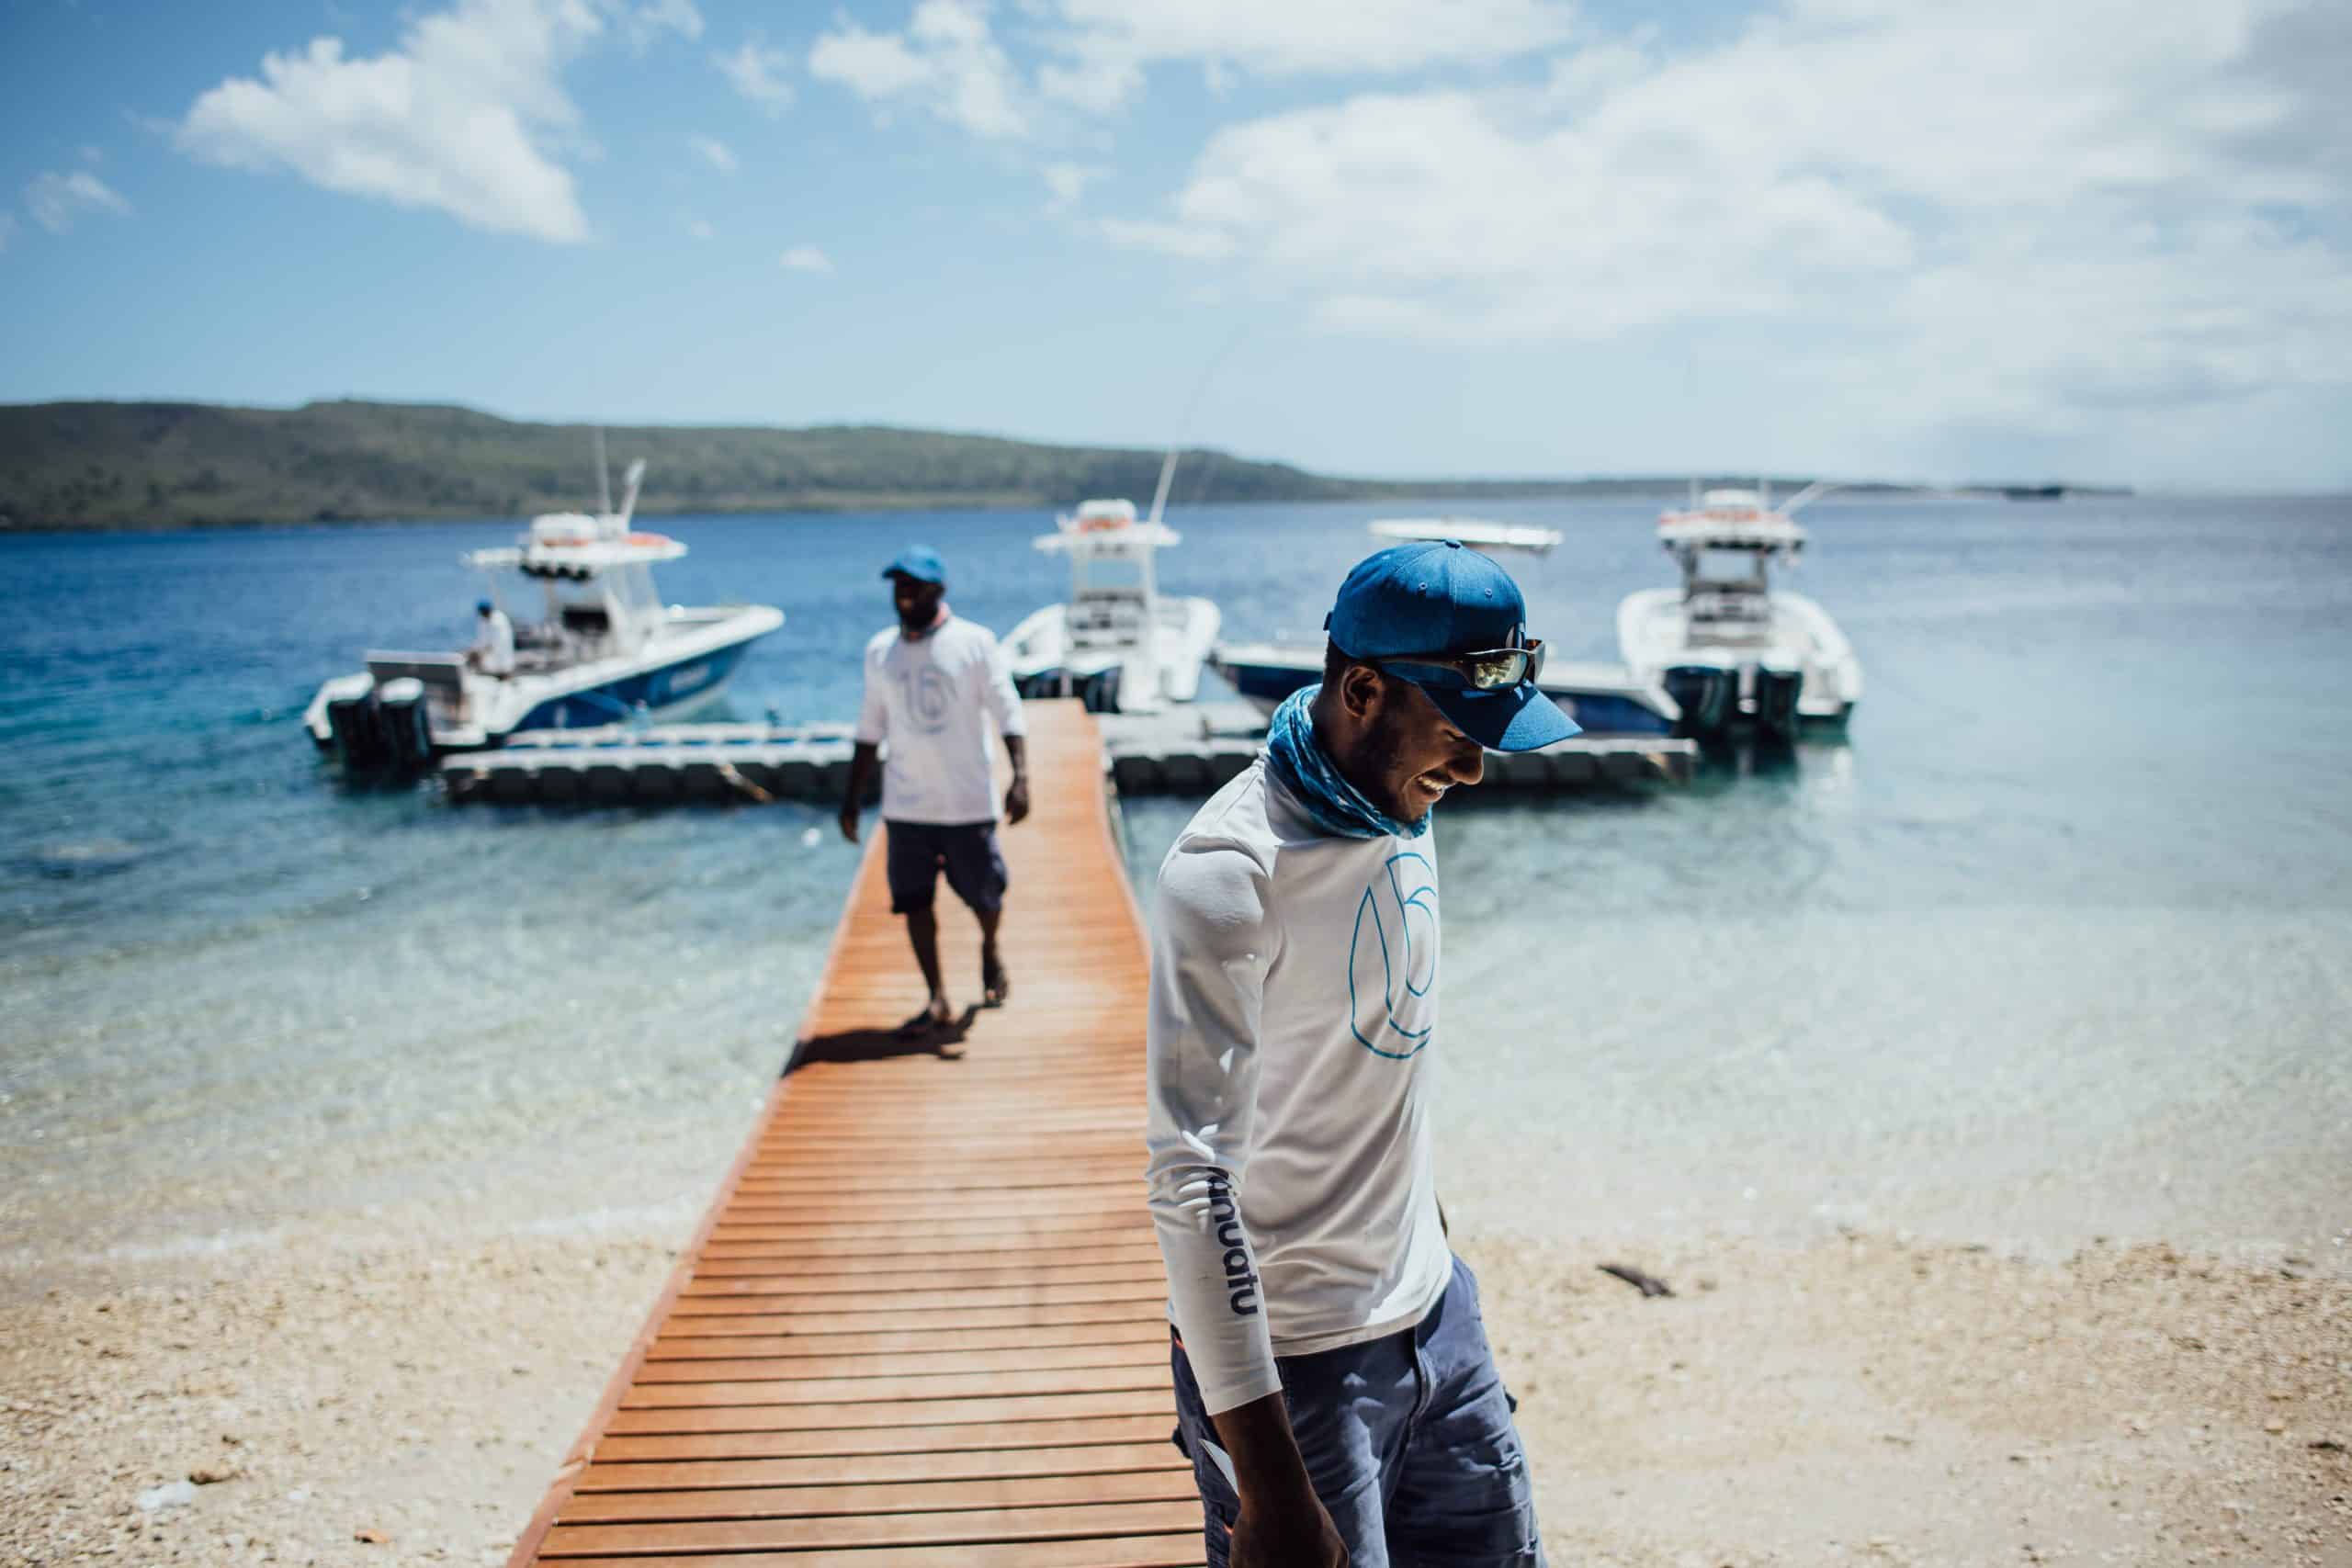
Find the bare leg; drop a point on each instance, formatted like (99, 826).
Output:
(993, 986)
(922, 934)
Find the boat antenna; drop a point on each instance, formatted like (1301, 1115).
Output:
(1167, 477)
(1813, 491)
(629, 481)
(1184, 421)
(1764, 491)
(603, 479)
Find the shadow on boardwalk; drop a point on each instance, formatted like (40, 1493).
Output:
(877, 1045)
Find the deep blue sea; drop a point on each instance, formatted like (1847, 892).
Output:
(2056, 943)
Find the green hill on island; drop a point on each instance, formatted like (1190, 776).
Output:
(159, 465)
(175, 465)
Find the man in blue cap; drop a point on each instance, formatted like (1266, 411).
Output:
(493, 653)
(1335, 1389)
(936, 688)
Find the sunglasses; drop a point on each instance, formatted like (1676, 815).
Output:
(1492, 670)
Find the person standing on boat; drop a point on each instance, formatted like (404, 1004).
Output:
(1334, 1385)
(493, 653)
(935, 687)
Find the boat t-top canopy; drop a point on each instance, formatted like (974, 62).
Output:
(1107, 528)
(1476, 533)
(1768, 531)
(573, 545)
(578, 546)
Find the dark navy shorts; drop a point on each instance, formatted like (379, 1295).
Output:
(1408, 1441)
(918, 852)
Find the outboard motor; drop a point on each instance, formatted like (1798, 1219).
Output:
(1708, 695)
(1778, 686)
(1101, 691)
(404, 723)
(358, 740)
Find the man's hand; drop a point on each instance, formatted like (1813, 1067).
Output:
(849, 820)
(1016, 799)
(1298, 1534)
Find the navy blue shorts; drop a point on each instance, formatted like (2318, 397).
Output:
(1408, 1441)
(918, 852)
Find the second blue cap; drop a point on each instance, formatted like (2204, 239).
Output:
(920, 562)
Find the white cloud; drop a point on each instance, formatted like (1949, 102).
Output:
(805, 258)
(713, 152)
(1068, 182)
(700, 229)
(757, 73)
(946, 64)
(459, 117)
(56, 200)
(646, 23)
(1108, 42)
(2004, 216)
(1192, 241)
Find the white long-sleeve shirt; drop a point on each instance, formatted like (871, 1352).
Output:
(935, 699)
(495, 644)
(1293, 1005)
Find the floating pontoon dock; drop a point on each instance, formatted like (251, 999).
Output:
(1178, 750)
(923, 1323)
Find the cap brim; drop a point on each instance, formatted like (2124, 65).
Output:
(910, 574)
(1520, 719)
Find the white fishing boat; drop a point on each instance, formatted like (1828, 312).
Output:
(1604, 699)
(1732, 650)
(1117, 642)
(607, 649)
(1476, 533)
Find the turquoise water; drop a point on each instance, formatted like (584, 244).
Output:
(2054, 945)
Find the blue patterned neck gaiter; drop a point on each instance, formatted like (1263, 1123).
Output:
(1336, 805)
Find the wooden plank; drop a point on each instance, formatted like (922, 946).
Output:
(923, 1325)
(959, 1384)
(1025, 1358)
(868, 1469)
(956, 1528)
(948, 1438)
(910, 1412)
(1175, 1550)
(1035, 1314)
(898, 1496)
(783, 1280)
(856, 1344)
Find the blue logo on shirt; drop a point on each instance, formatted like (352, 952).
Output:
(1392, 958)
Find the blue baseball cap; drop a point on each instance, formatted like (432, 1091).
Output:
(920, 562)
(483, 606)
(1438, 597)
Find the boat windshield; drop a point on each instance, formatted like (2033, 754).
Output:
(1730, 568)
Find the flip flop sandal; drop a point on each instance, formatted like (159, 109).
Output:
(995, 984)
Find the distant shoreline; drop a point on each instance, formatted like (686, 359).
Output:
(173, 467)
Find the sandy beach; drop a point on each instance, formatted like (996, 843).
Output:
(1860, 1399)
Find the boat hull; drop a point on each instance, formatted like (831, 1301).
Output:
(1044, 663)
(679, 673)
(1791, 667)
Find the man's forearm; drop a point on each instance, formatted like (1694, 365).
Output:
(1268, 1471)
(861, 773)
(1016, 747)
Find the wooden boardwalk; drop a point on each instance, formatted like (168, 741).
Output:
(924, 1323)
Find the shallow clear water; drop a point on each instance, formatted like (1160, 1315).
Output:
(2055, 944)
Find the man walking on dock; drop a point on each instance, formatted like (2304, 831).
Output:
(935, 686)
(1333, 1381)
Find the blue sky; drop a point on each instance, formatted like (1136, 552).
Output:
(2108, 241)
